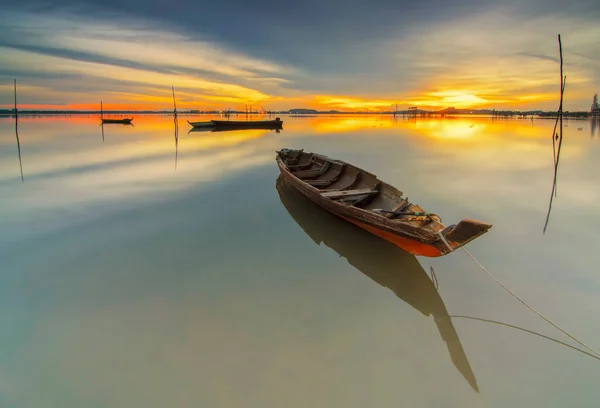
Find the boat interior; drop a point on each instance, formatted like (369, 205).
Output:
(352, 186)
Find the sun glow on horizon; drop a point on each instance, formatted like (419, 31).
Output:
(162, 99)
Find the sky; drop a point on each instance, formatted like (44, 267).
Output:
(321, 54)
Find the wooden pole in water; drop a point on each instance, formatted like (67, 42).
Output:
(101, 112)
(559, 136)
(563, 82)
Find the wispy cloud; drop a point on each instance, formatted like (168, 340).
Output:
(88, 50)
(487, 54)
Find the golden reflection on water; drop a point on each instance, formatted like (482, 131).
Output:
(340, 124)
(151, 137)
(465, 142)
(485, 142)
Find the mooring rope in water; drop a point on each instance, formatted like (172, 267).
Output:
(512, 326)
(529, 307)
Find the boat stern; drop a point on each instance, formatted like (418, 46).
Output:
(464, 232)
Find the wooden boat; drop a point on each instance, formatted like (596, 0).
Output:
(384, 263)
(199, 125)
(362, 199)
(249, 124)
(125, 121)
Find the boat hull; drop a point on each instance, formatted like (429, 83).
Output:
(121, 121)
(409, 238)
(249, 124)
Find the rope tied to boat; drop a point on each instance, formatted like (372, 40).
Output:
(443, 238)
(413, 213)
(556, 326)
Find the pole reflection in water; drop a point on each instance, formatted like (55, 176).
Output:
(122, 124)
(17, 131)
(176, 126)
(384, 263)
(595, 126)
(552, 193)
(19, 145)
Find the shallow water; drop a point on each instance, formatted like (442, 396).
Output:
(144, 270)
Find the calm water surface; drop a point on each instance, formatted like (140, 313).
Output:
(145, 270)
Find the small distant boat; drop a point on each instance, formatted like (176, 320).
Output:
(208, 124)
(249, 124)
(361, 198)
(126, 121)
(123, 121)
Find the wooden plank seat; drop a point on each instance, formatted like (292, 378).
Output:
(335, 195)
(398, 208)
(307, 174)
(295, 167)
(330, 177)
(351, 182)
(363, 200)
(320, 183)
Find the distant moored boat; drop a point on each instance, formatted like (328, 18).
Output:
(125, 121)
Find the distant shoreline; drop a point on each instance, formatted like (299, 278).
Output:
(488, 113)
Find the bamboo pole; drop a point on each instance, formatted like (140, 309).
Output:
(17, 132)
(174, 101)
(16, 111)
(563, 82)
(559, 120)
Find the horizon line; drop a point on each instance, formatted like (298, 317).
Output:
(300, 111)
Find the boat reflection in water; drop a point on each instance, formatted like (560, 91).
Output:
(124, 121)
(227, 129)
(383, 262)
